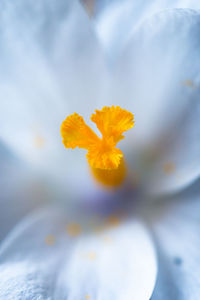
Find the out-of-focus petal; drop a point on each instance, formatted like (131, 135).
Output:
(41, 260)
(21, 190)
(50, 66)
(176, 227)
(159, 76)
(29, 261)
(114, 20)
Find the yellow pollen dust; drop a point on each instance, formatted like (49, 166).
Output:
(73, 229)
(50, 240)
(87, 297)
(91, 255)
(189, 83)
(113, 221)
(169, 168)
(106, 161)
(39, 141)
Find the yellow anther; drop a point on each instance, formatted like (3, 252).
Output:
(105, 160)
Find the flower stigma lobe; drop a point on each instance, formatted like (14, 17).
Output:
(106, 161)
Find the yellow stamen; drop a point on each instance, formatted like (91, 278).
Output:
(106, 161)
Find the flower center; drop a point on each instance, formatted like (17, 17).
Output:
(106, 161)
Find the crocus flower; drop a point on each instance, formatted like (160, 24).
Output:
(139, 239)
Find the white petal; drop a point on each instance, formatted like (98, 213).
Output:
(176, 228)
(121, 267)
(115, 20)
(161, 87)
(50, 66)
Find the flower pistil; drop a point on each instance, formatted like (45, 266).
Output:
(106, 161)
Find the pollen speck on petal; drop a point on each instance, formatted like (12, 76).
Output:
(189, 83)
(169, 168)
(91, 255)
(73, 229)
(113, 221)
(50, 240)
(39, 141)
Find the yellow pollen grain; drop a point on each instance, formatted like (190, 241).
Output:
(50, 240)
(169, 168)
(87, 297)
(189, 83)
(113, 221)
(73, 229)
(91, 255)
(39, 142)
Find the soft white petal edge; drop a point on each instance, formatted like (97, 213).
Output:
(117, 264)
(115, 20)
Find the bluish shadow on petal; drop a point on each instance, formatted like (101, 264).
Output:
(175, 223)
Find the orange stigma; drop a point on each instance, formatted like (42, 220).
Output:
(106, 161)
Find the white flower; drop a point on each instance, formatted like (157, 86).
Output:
(86, 243)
